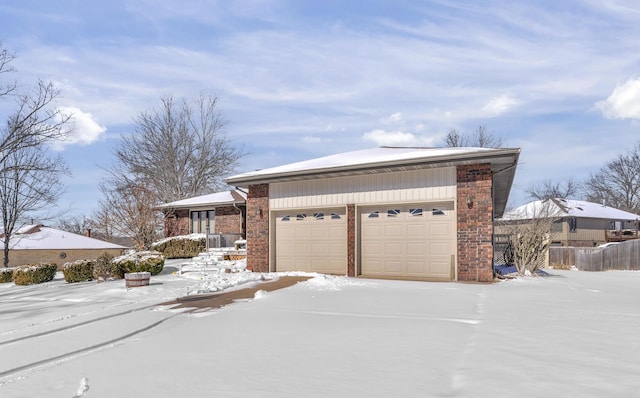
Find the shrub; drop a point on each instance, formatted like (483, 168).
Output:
(185, 246)
(145, 261)
(78, 271)
(104, 268)
(6, 275)
(34, 273)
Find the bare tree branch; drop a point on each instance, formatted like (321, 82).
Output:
(617, 184)
(547, 189)
(481, 137)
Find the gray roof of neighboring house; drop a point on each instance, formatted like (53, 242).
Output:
(210, 200)
(387, 159)
(37, 237)
(559, 207)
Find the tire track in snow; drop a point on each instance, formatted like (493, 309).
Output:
(70, 327)
(33, 366)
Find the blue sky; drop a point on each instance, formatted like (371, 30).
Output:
(301, 79)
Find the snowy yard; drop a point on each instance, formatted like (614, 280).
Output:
(571, 334)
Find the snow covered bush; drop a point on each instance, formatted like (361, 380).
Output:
(78, 271)
(34, 273)
(143, 261)
(105, 269)
(6, 275)
(184, 246)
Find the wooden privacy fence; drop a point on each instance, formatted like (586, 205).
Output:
(623, 256)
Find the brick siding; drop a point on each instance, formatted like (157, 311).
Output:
(228, 220)
(176, 223)
(475, 223)
(258, 228)
(351, 240)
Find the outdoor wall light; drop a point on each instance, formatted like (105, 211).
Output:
(469, 201)
(259, 212)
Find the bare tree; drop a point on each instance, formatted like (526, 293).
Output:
(132, 204)
(103, 223)
(481, 137)
(530, 236)
(617, 184)
(178, 151)
(77, 225)
(547, 189)
(30, 179)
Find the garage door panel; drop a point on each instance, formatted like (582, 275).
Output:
(416, 241)
(311, 240)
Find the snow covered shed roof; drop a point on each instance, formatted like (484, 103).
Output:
(388, 159)
(558, 207)
(36, 237)
(211, 200)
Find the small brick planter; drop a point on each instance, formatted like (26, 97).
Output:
(136, 279)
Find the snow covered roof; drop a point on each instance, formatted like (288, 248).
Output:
(210, 200)
(387, 159)
(558, 207)
(35, 237)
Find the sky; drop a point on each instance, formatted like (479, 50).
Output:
(572, 334)
(303, 79)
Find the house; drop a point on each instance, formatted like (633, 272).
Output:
(407, 213)
(221, 214)
(577, 223)
(36, 244)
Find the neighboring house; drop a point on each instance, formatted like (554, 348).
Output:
(408, 213)
(36, 244)
(578, 223)
(221, 213)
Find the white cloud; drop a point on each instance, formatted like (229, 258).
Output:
(85, 128)
(309, 139)
(499, 105)
(624, 101)
(395, 118)
(390, 138)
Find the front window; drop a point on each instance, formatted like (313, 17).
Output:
(201, 220)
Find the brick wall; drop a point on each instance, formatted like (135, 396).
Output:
(229, 221)
(258, 228)
(22, 257)
(351, 240)
(475, 223)
(176, 223)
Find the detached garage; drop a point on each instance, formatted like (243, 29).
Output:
(407, 213)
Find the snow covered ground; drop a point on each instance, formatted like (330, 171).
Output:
(570, 334)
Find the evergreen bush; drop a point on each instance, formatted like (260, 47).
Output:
(6, 275)
(144, 261)
(105, 269)
(185, 246)
(78, 271)
(34, 273)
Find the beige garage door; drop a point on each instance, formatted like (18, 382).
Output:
(408, 241)
(312, 241)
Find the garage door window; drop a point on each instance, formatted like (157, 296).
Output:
(318, 216)
(301, 217)
(437, 212)
(393, 213)
(416, 212)
(286, 218)
(374, 214)
(335, 216)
